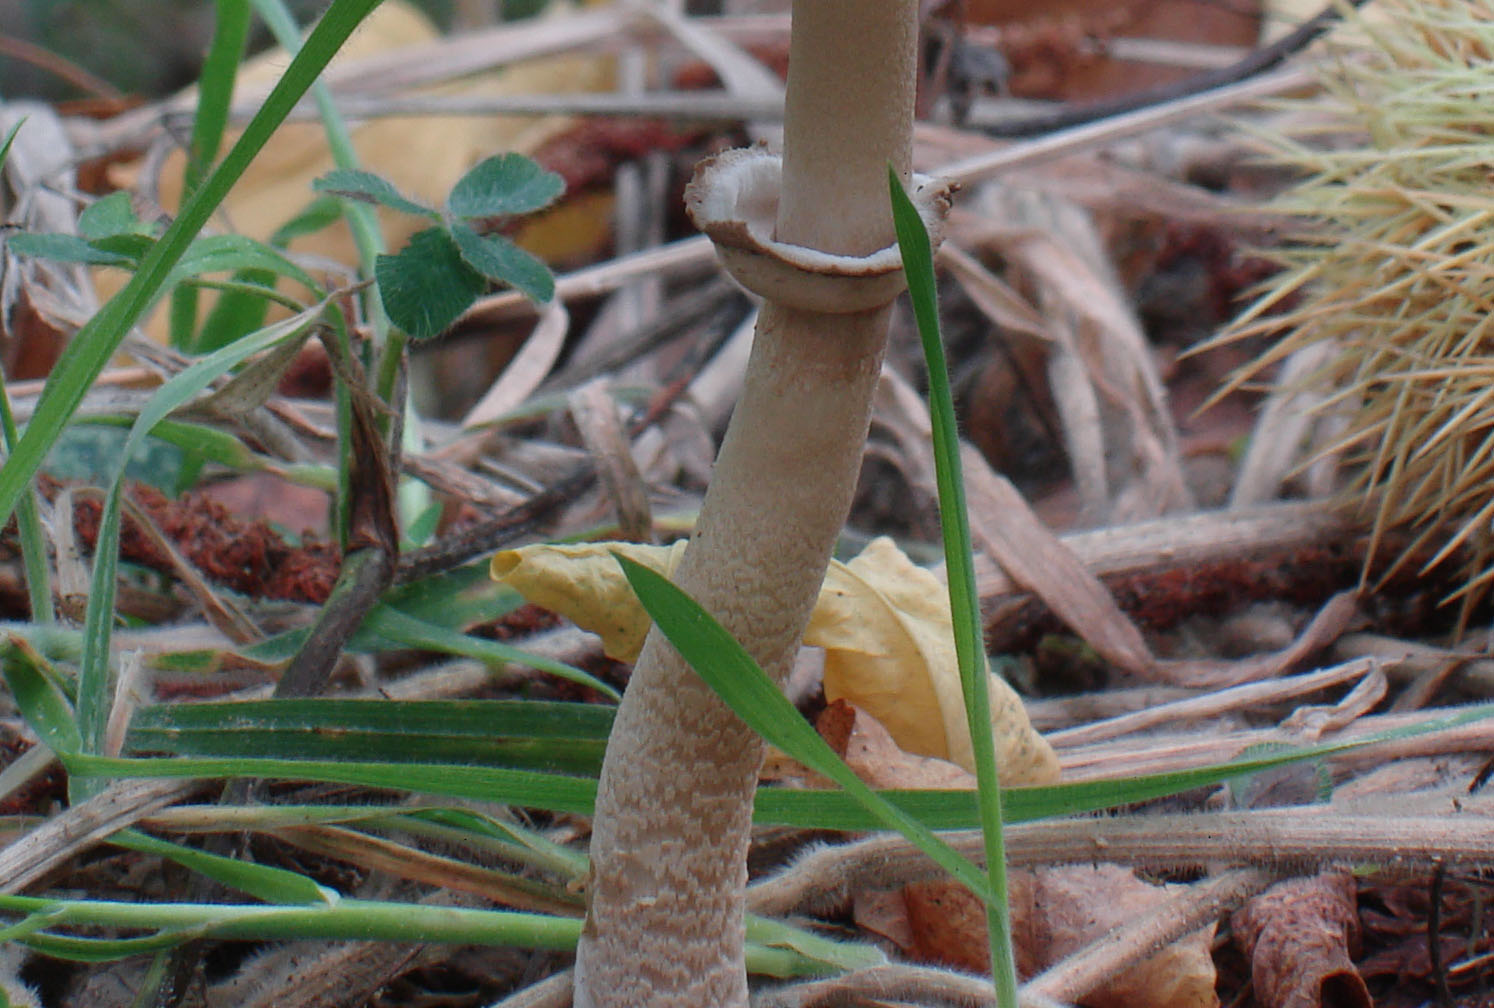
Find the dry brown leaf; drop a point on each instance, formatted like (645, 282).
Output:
(874, 755)
(992, 295)
(596, 415)
(1061, 910)
(1117, 426)
(947, 925)
(883, 913)
(883, 621)
(889, 649)
(1298, 936)
(1056, 912)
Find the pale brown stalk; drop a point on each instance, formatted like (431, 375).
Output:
(665, 924)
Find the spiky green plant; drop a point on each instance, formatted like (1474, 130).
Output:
(1394, 268)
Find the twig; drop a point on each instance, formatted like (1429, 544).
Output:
(1050, 146)
(485, 537)
(59, 66)
(1277, 839)
(373, 541)
(120, 804)
(935, 988)
(1211, 704)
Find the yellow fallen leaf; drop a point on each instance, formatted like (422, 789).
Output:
(883, 621)
(889, 649)
(584, 583)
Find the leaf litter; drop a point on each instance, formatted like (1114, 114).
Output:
(1104, 583)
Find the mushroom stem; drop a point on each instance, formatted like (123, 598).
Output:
(665, 923)
(669, 844)
(848, 112)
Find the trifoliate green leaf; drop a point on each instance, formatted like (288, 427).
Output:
(427, 285)
(499, 259)
(503, 185)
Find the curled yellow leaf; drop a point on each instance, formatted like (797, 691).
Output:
(883, 621)
(584, 583)
(889, 649)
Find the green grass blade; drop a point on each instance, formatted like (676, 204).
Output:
(214, 97)
(97, 950)
(345, 920)
(733, 675)
(964, 601)
(215, 85)
(273, 885)
(242, 307)
(396, 626)
(833, 810)
(95, 678)
(564, 738)
(41, 699)
(95, 692)
(350, 920)
(845, 956)
(956, 810)
(90, 350)
(227, 253)
(522, 788)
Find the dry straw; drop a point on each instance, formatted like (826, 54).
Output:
(1393, 267)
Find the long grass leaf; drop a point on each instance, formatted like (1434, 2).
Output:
(964, 601)
(833, 810)
(520, 734)
(41, 699)
(411, 632)
(214, 97)
(790, 955)
(265, 882)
